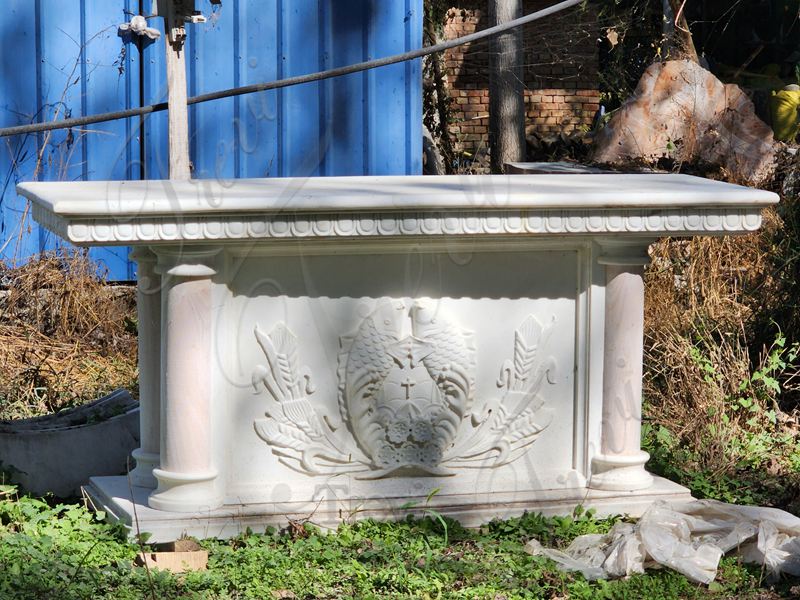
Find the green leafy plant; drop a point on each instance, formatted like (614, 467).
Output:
(745, 429)
(427, 510)
(65, 552)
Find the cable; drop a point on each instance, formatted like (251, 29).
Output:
(290, 81)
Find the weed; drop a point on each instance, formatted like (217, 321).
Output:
(63, 551)
(744, 434)
(427, 510)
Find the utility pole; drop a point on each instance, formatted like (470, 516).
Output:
(506, 88)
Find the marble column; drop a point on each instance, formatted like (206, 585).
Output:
(187, 475)
(148, 302)
(620, 464)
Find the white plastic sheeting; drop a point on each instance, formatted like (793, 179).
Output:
(689, 537)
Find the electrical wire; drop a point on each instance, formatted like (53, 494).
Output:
(291, 81)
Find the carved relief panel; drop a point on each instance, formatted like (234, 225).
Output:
(406, 398)
(466, 384)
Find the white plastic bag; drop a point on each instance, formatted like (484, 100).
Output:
(689, 537)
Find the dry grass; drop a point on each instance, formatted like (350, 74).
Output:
(694, 308)
(66, 337)
(714, 307)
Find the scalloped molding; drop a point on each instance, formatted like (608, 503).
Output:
(198, 228)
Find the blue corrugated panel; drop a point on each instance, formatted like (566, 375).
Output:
(18, 104)
(363, 124)
(65, 57)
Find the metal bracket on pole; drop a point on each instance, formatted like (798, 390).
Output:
(176, 14)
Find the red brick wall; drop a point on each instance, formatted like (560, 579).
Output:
(561, 66)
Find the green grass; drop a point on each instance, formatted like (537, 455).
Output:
(65, 552)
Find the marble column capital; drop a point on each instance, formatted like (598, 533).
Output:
(188, 262)
(143, 255)
(624, 252)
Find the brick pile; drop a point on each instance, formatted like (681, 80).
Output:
(561, 73)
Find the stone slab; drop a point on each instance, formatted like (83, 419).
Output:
(340, 208)
(128, 505)
(555, 168)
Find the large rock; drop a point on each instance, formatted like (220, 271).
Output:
(682, 111)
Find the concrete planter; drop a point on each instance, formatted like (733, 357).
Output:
(58, 453)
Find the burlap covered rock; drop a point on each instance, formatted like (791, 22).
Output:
(682, 111)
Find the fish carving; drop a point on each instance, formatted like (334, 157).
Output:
(405, 386)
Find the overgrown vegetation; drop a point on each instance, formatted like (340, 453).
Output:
(721, 360)
(66, 337)
(64, 552)
(631, 39)
(722, 329)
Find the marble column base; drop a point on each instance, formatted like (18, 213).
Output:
(185, 492)
(142, 475)
(620, 473)
(119, 501)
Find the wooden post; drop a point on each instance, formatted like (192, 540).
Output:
(179, 165)
(506, 88)
(178, 112)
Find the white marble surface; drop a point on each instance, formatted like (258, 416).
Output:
(360, 342)
(131, 212)
(139, 198)
(117, 498)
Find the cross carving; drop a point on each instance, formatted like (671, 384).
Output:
(408, 384)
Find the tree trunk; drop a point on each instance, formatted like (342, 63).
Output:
(506, 88)
(682, 37)
(442, 107)
(432, 163)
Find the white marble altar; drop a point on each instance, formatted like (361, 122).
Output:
(341, 347)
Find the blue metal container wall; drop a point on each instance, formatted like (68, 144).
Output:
(65, 58)
(363, 124)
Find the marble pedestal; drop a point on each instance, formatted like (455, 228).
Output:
(336, 348)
